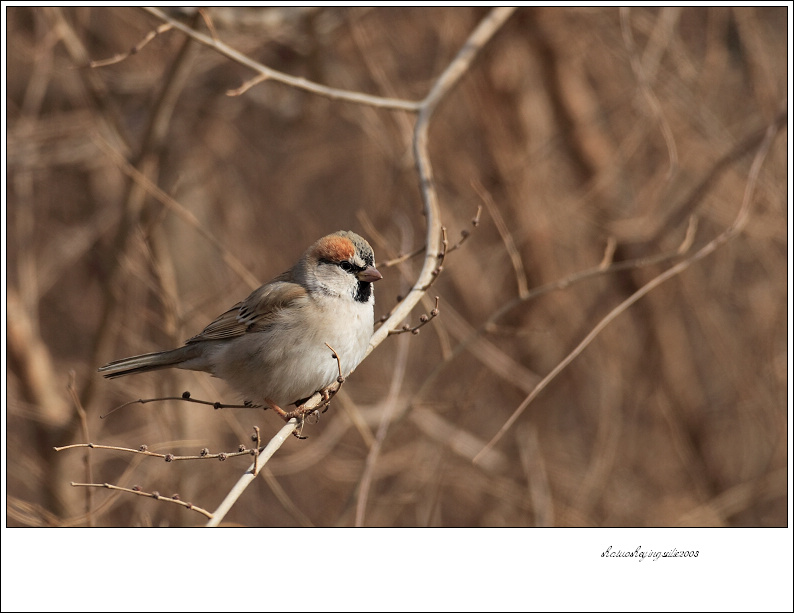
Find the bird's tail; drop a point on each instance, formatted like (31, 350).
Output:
(175, 358)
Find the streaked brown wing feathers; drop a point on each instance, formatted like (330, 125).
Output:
(255, 312)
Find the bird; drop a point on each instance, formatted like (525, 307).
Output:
(273, 347)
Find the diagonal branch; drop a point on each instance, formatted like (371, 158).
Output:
(269, 73)
(481, 35)
(249, 475)
(731, 232)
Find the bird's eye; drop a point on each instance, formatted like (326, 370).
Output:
(346, 266)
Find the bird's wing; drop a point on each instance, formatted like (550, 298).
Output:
(254, 313)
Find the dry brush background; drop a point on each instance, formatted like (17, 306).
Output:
(580, 131)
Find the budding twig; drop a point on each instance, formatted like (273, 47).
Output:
(424, 319)
(156, 495)
(120, 57)
(185, 397)
(204, 454)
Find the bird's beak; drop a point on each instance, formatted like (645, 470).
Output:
(369, 274)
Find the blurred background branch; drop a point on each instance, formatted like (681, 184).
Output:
(580, 128)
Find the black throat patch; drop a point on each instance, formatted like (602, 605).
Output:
(363, 291)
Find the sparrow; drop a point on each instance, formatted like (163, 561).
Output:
(273, 347)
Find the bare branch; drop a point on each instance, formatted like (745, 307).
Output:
(275, 75)
(185, 397)
(244, 481)
(168, 457)
(481, 35)
(424, 319)
(120, 57)
(156, 495)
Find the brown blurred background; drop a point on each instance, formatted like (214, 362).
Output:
(584, 131)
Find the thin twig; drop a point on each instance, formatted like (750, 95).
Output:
(168, 457)
(135, 490)
(445, 250)
(424, 319)
(507, 238)
(239, 91)
(465, 234)
(120, 57)
(208, 22)
(185, 397)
